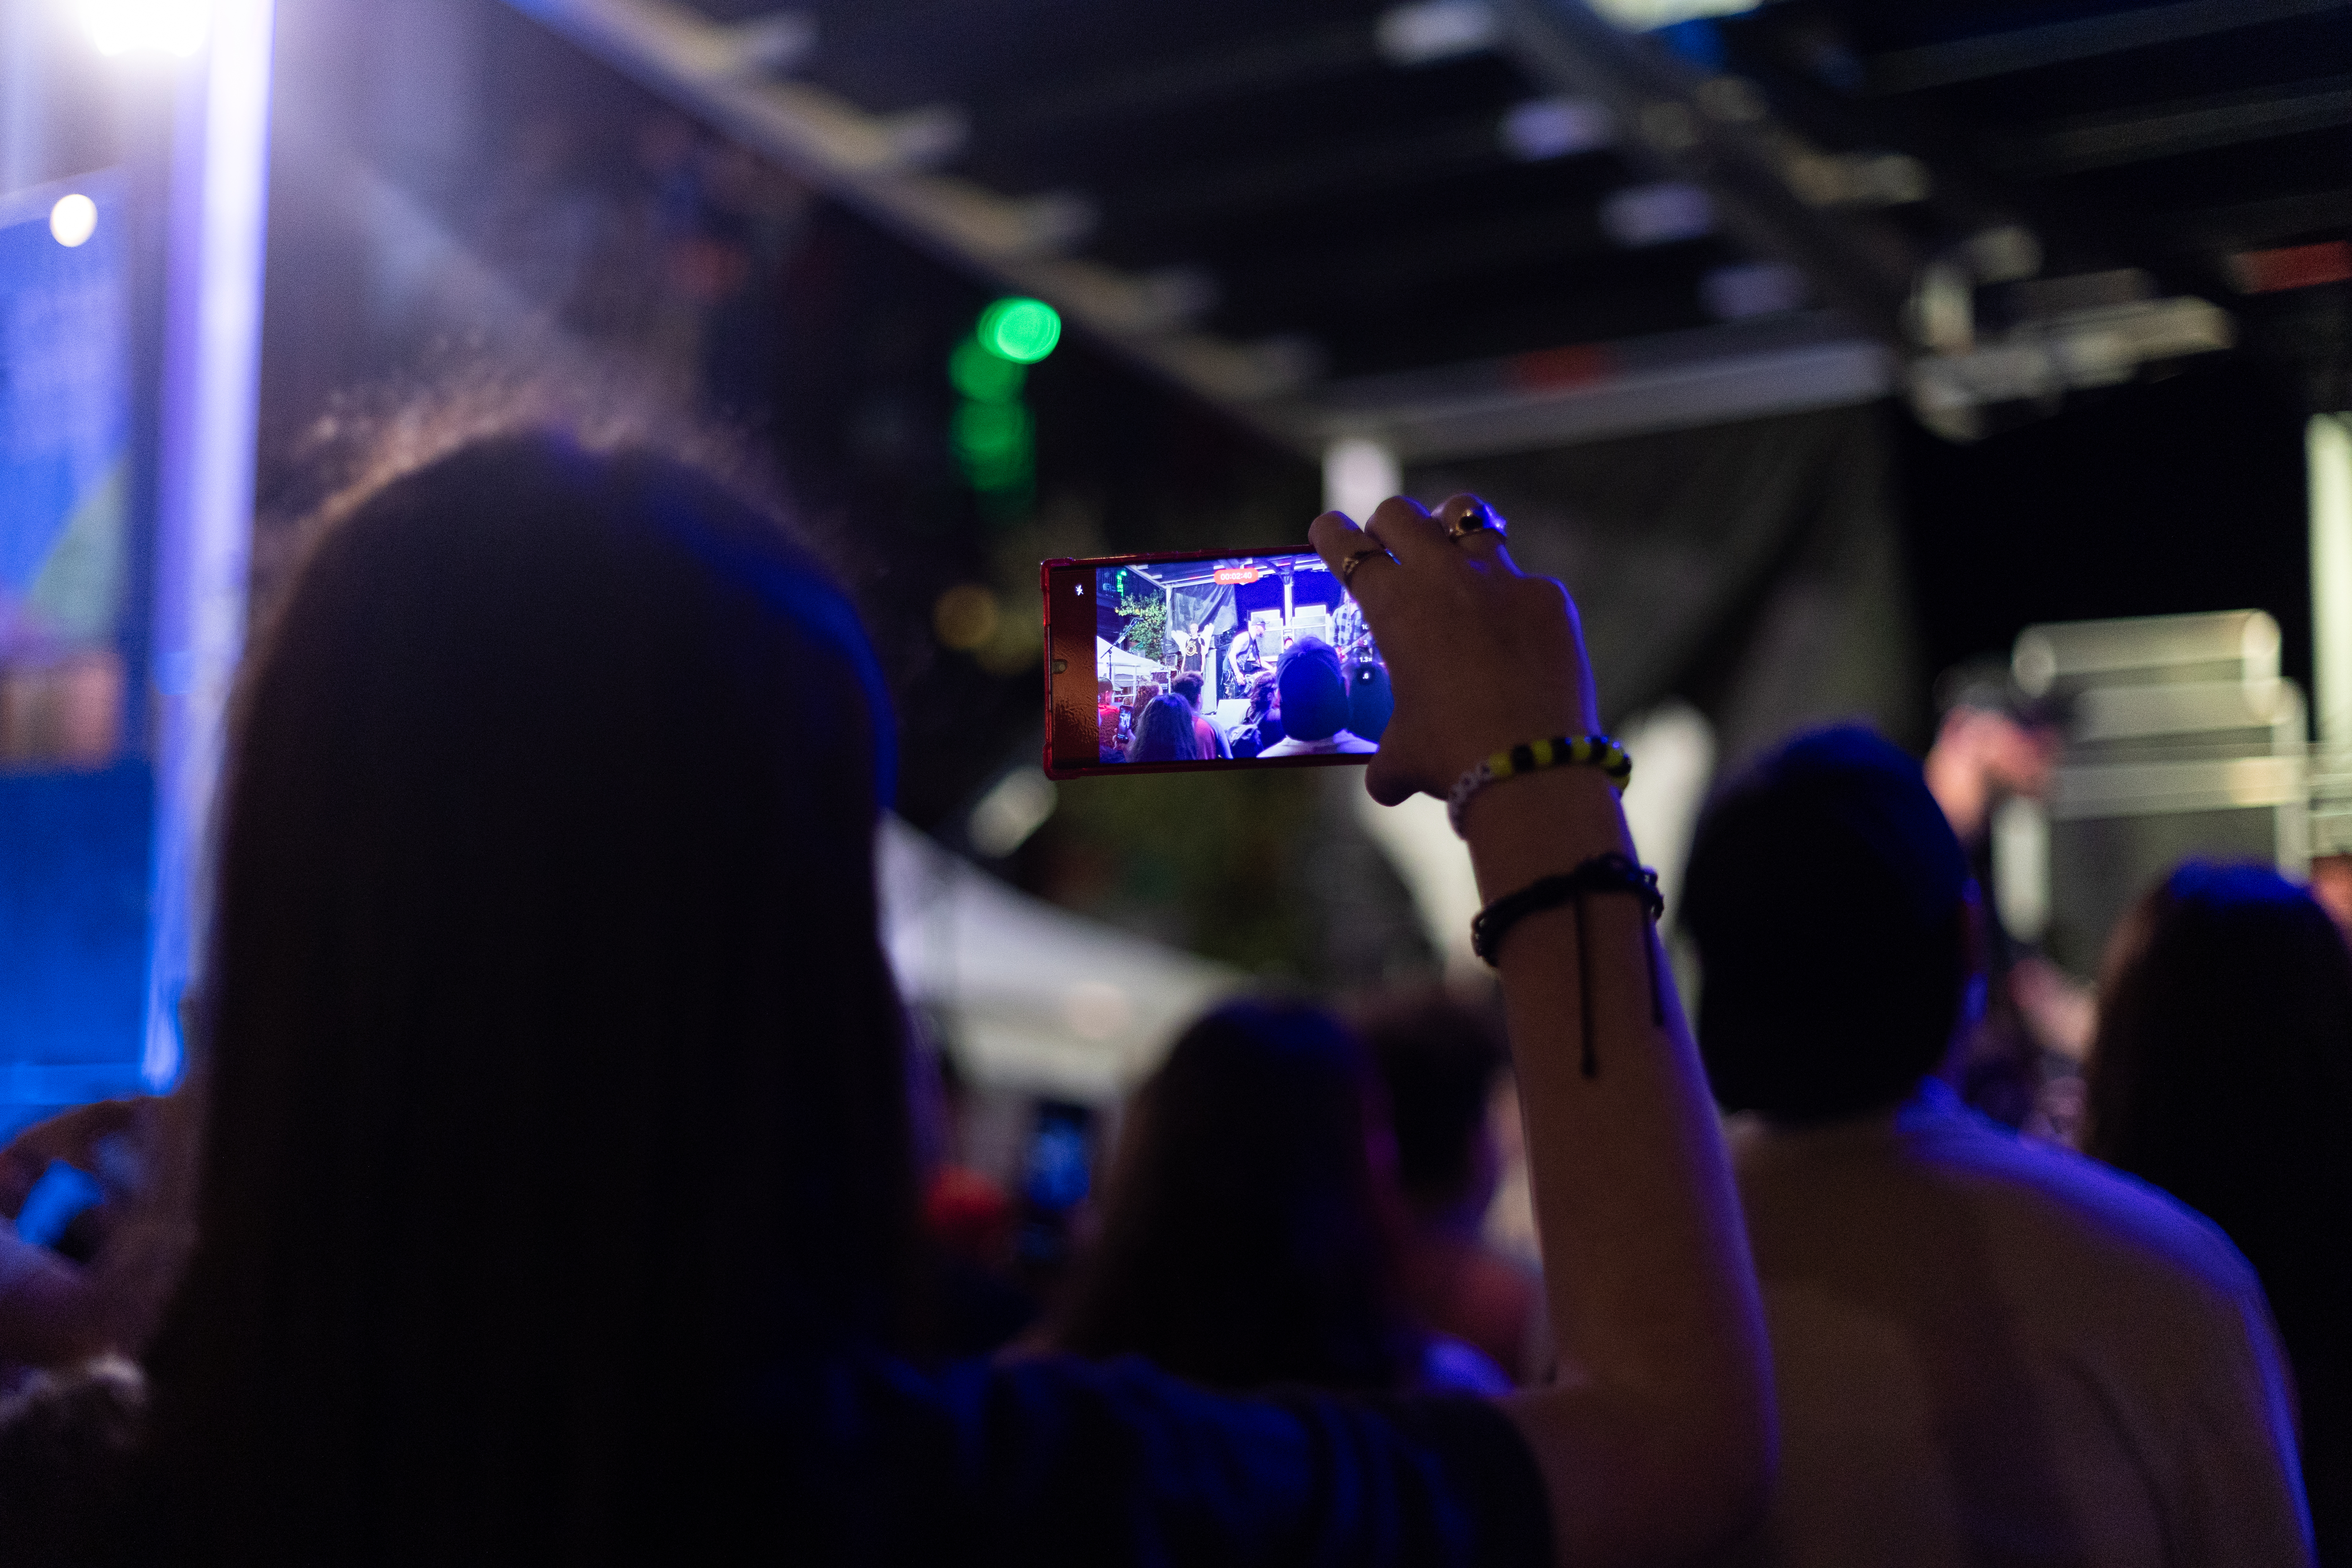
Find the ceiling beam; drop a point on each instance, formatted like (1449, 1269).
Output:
(2081, 38)
(877, 165)
(865, 160)
(2174, 130)
(1591, 392)
(1770, 187)
(2264, 222)
(1273, 65)
(1717, 133)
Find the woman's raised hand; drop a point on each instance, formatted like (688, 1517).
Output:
(1480, 656)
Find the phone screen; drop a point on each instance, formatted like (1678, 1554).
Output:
(1205, 660)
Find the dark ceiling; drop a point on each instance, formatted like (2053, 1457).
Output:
(1320, 175)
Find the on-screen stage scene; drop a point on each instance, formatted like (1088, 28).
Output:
(1250, 658)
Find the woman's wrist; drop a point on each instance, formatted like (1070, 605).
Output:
(1541, 825)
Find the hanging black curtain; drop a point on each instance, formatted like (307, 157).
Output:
(1210, 602)
(1755, 570)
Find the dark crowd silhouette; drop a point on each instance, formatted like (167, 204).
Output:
(548, 1184)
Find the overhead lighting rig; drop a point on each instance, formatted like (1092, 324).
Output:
(1981, 337)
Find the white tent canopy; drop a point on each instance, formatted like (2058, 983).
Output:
(1122, 665)
(1039, 1000)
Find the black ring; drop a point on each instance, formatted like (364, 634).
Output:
(1479, 519)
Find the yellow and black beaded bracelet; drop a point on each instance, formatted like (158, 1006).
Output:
(1556, 752)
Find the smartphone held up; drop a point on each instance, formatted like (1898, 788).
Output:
(1206, 659)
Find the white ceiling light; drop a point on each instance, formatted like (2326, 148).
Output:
(170, 26)
(73, 220)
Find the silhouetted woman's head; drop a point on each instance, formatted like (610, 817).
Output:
(1164, 733)
(1314, 691)
(1248, 1237)
(555, 1077)
(2222, 1073)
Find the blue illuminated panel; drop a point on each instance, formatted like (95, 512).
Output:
(76, 829)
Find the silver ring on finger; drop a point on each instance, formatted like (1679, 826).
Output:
(1348, 567)
(1476, 518)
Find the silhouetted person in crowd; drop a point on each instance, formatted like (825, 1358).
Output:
(97, 1286)
(1163, 733)
(977, 1305)
(1369, 701)
(1441, 1060)
(1205, 731)
(1248, 1239)
(1988, 1349)
(2222, 1073)
(1262, 721)
(1314, 702)
(1109, 718)
(48, 1316)
(1994, 746)
(557, 1200)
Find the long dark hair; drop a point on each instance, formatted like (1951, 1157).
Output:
(555, 1084)
(1246, 1241)
(2222, 1073)
(1164, 733)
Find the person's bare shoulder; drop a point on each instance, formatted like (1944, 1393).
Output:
(2085, 1213)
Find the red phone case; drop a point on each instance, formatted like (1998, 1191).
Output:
(1066, 714)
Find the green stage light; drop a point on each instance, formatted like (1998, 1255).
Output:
(983, 376)
(1023, 331)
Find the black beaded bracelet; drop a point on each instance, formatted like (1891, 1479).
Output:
(1605, 873)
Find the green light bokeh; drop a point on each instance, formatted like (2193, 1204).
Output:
(983, 376)
(1022, 330)
(990, 429)
(996, 442)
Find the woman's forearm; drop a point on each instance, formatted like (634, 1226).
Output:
(1659, 1445)
(1661, 1425)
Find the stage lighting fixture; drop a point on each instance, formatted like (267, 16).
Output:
(1022, 330)
(170, 26)
(73, 220)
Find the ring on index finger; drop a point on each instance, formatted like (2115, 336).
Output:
(1348, 567)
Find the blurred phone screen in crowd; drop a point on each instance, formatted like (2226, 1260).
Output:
(60, 1196)
(1057, 1173)
(1205, 660)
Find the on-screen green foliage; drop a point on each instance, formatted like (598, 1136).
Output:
(1146, 626)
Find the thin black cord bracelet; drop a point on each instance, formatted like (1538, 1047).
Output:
(1605, 873)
